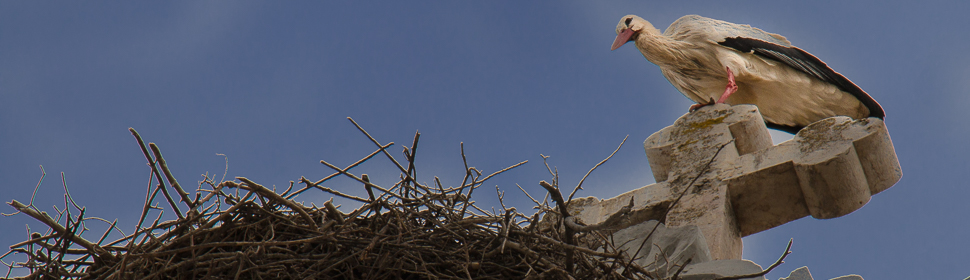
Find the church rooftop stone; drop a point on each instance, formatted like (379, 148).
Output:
(829, 169)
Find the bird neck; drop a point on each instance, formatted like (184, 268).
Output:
(660, 49)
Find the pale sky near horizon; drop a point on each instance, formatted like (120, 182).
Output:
(270, 85)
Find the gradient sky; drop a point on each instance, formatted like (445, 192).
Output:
(270, 84)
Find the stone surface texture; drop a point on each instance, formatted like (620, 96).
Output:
(848, 277)
(801, 273)
(721, 268)
(829, 169)
(666, 249)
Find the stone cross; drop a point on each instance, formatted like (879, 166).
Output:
(829, 169)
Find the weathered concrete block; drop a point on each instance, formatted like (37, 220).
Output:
(721, 268)
(666, 249)
(848, 277)
(801, 273)
(829, 169)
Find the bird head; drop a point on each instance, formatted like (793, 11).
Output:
(627, 29)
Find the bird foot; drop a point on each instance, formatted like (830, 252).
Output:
(700, 105)
(731, 88)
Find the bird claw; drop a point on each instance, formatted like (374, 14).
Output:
(700, 105)
(731, 88)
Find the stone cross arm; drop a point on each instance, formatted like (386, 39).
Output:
(828, 170)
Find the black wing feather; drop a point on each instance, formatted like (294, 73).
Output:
(807, 63)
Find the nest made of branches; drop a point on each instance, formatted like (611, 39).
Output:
(406, 231)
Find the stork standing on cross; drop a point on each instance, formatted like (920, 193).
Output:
(791, 87)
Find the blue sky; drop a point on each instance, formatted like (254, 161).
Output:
(270, 86)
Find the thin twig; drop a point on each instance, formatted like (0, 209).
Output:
(332, 191)
(379, 145)
(317, 183)
(169, 176)
(568, 233)
(44, 218)
(681, 269)
(158, 175)
(501, 171)
(149, 198)
(263, 191)
(580, 185)
(780, 261)
(410, 154)
(334, 167)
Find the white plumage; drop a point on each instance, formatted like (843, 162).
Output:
(791, 87)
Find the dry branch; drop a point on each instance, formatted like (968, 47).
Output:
(407, 230)
(780, 261)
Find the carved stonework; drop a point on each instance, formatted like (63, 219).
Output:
(829, 169)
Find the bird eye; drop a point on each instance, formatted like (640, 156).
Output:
(628, 21)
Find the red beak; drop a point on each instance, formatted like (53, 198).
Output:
(622, 38)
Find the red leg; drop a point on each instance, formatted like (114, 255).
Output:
(728, 90)
(731, 86)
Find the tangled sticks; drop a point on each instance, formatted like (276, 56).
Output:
(407, 231)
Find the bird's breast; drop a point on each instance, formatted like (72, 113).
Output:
(784, 95)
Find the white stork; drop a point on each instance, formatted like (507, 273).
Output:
(790, 86)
